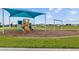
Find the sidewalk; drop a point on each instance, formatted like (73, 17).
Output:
(36, 49)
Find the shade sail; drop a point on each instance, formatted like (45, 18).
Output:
(22, 13)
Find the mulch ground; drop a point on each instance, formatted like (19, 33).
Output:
(41, 33)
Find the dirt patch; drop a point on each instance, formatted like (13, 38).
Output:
(42, 33)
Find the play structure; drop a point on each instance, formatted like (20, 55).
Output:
(24, 25)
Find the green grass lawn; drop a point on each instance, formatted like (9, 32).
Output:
(56, 27)
(7, 28)
(37, 42)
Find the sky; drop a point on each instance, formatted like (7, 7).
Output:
(67, 15)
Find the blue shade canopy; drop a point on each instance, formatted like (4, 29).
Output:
(22, 13)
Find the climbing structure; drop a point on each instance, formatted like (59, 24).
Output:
(25, 25)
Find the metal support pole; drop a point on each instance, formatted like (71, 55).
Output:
(9, 22)
(34, 23)
(54, 24)
(45, 22)
(3, 20)
(62, 25)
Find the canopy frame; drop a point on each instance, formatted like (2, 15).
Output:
(3, 30)
(55, 23)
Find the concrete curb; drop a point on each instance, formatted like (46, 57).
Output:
(36, 49)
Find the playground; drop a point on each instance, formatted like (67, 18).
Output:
(28, 35)
(25, 28)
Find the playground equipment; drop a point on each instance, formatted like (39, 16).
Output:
(19, 26)
(25, 25)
